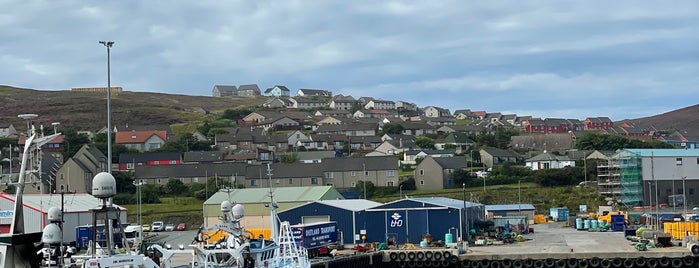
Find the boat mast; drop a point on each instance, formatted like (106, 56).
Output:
(272, 207)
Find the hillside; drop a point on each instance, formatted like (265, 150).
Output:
(686, 120)
(88, 111)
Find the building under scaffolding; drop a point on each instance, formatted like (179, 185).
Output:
(649, 177)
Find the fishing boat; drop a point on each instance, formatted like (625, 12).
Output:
(239, 250)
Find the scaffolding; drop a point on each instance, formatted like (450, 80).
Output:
(608, 182)
(631, 177)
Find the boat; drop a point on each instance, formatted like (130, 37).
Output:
(239, 250)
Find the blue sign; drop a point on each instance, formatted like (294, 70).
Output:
(6, 213)
(396, 220)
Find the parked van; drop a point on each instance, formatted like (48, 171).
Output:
(133, 234)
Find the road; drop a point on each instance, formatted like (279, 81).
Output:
(174, 238)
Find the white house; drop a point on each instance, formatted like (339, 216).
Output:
(548, 160)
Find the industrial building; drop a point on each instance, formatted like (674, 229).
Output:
(408, 220)
(76, 211)
(647, 177)
(256, 202)
(526, 210)
(349, 215)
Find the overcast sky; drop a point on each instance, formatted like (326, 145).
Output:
(570, 59)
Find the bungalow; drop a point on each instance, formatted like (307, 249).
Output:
(549, 161)
(249, 90)
(341, 102)
(7, 130)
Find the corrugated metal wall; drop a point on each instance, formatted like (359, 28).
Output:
(341, 216)
(33, 220)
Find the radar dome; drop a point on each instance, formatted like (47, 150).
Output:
(51, 234)
(226, 206)
(54, 214)
(103, 185)
(238, 211)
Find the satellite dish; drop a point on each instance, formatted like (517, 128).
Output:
(238, 211)
(103, 185)
(54, 214)
(52, 234)
(226, 206)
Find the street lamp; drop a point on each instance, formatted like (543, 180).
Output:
(109, 45)
(140, 223)
(463, 213)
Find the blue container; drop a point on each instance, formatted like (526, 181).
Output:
(448, 238)
(593, 225)
(559, 214)
(587, 224)
(578, 223)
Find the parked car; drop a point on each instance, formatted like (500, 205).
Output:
(158, 226)
(146, 227)
(181, 227)
(169, 227)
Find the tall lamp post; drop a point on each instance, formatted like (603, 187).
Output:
(140, 219)
(463, 213)
(109, 45)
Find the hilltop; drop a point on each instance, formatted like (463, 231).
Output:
(88, 110)
(684, 120)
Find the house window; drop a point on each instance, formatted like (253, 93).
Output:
(329, 175)
(128, 166)
(195, 179)
(253, 182)
(63, 187)
(422, 172)
(328, 184)
(158, 181)
(422, 182)
(61, 176)
(354, 184)
(291, 181)
(691, 191)
(314, 180)
(155, 163)
(389, 183)
(390, 173)
(354, 173)
(366, 173)
(678, 161)
(153, 146)
(38, 188)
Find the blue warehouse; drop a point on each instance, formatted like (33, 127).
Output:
(349, 214)
(407, 220)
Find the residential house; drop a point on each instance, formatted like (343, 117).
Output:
(334, 142)
(380, 105)
(329, 120)
(363, 144)
(494, 156)
(340, 102)
(410, 157)
(224, 91)
(433, 111)
(7, 130)
(231, 173)
(463, 114)
(47, 183)
(281, 123)
(492, 117)
(284, 175)
(598, 123)
(131, 127)
(304, 92)
(277, 91)
(561, 142)
(276, 142)
(309, 157)
(308, 103)
(76, 173)
(549, 161)
(396, 146)
(141, 140)
(249, 90)
(406, 106)
(416, 128)
(435, 173)
(333, 113)
(457, 141)
(467, 129)
(440, 121)
(346, 172)
(202, 157)
(129, 161)
(54, 146)
(278, 102)
(359, 129)
(371, 114)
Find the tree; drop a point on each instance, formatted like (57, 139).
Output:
(391, 128)
(176, 187)
(290, 158)
(235, 114)
(461, 176)
(72, 142)
(124, 183)
(424, 142)
(370, 188)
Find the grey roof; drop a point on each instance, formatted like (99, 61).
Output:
(548, 157)
(203, 156)
(281, 195)
(350, 204)
(347, 127)
(455, 137)
(282, 88)
(412, 152)
(72, 202)
(248, 87)
(308, 155)
(451, 162)
(315, 92)
(444, 201)
(509, 207)
(226, 89)
(184, 171)
(145, 157)
(500, 152)
(372, 163)
(285, 171)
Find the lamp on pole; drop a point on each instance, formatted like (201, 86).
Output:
(463, 214)
(140, 219)
(109, 45)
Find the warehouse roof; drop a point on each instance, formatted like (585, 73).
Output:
(443, 201)
(350, 204)
(509, 207)
(663, 152)
(72, 202)
(281, 194)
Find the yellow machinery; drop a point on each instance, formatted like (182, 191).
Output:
(608, 218)
(217, 235)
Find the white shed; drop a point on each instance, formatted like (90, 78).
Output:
(76, 211)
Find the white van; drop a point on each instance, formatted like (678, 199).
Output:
(133, 234)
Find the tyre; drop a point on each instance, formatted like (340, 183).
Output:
(393, 256)
(629, 263)
(676, 263)
(664, 262)
(438, 256)
(617, 262)
(411, 256)
(652, 263)
(605, 263)
(688, 261)
(572, 262)
(594, 262)
(640, 262)
(402, 256)
(428, 255)
(446, 255)
(517, 264)
(420, 255)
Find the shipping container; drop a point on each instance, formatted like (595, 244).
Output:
(559, 214)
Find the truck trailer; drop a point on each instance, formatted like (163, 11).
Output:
(83, 235)
(315, 237)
